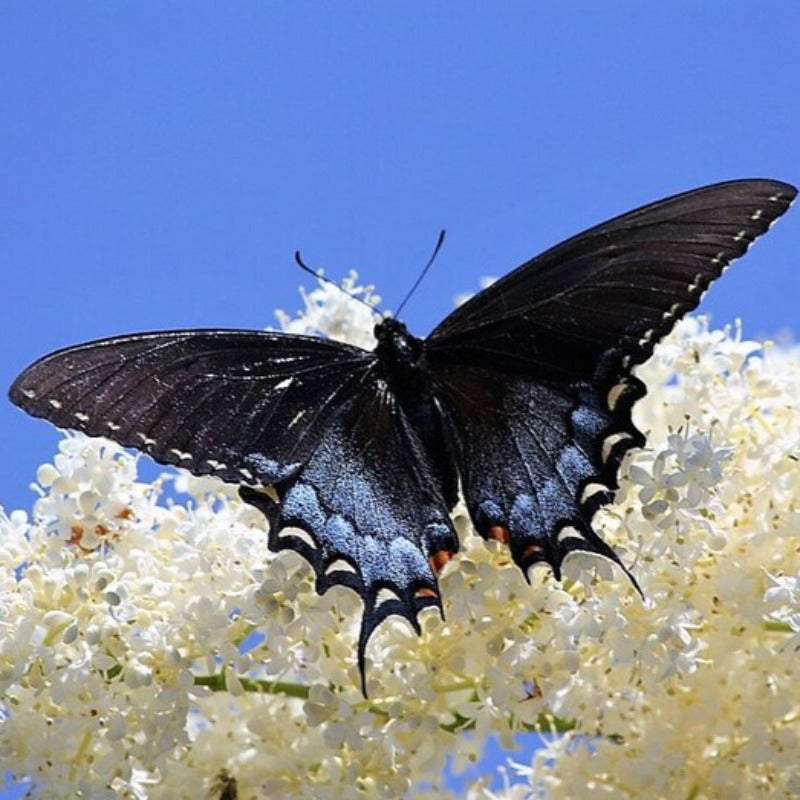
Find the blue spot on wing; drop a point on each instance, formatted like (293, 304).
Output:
(300, 502)
(525, 516)
(270, 470)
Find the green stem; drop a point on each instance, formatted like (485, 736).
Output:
(217, 684)
(545, 723)
(775, 626)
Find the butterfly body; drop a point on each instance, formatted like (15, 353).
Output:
(403, 366)
(520, 401)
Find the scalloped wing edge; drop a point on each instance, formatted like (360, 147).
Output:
(621, 391)
(407, 603)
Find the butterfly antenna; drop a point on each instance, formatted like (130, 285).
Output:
(319, 276)
(439, 243)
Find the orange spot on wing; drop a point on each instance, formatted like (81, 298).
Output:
(532, 551)
(499, 533)
(425, 592)
(438, 559)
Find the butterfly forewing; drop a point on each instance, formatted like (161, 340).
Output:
(246, 406)
(621, 285)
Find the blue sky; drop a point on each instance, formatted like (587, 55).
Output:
(162, 162)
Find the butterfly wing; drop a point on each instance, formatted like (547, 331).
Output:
(621, 285)
(537, 459)
(245, 406)
(534, 371)
(373, 512)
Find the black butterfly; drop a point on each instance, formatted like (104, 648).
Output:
(521, 398)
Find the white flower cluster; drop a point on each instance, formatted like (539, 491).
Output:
(153, 648)
(333, 312)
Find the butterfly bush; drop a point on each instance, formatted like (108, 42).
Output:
(152, 647)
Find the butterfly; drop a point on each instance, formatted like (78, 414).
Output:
(519, 401)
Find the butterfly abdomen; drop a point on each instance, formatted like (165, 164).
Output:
(403, 369)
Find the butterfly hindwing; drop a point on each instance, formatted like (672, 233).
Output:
(537, 459)
(372, 510)
(245, 406)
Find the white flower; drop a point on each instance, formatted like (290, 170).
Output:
(341, 312)
(149, 646)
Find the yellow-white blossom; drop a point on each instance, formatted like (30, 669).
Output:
(153, 647)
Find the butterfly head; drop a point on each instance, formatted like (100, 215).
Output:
(396, 346)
